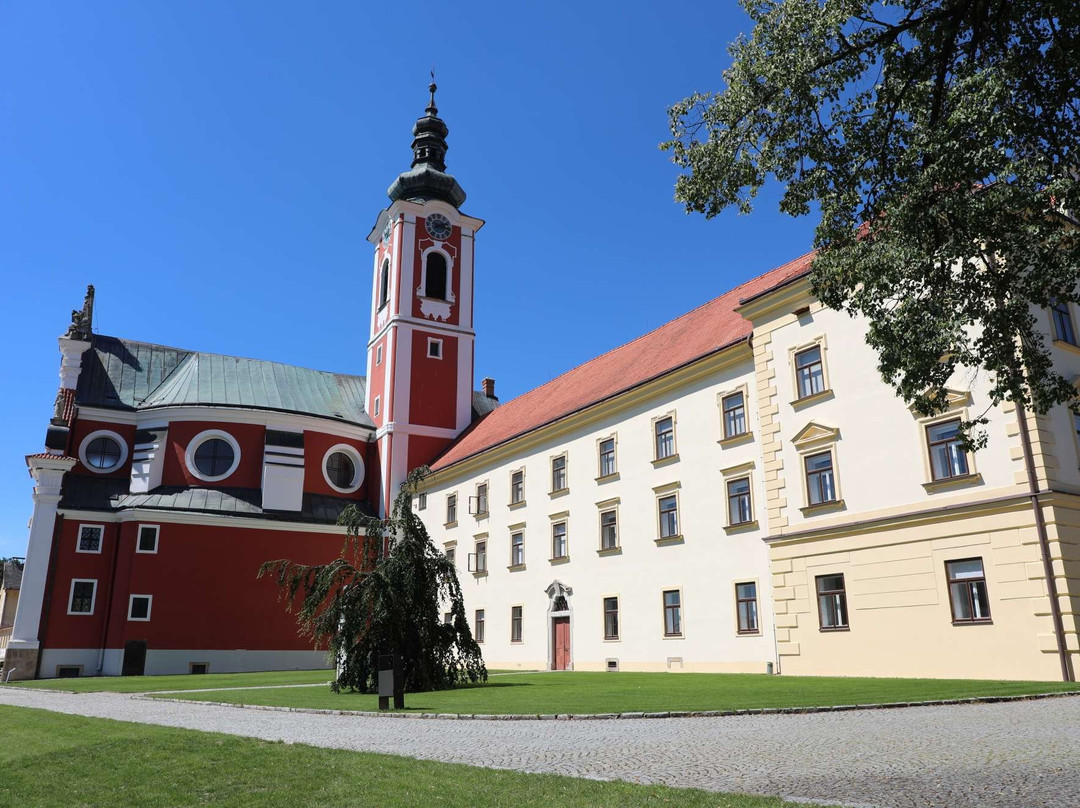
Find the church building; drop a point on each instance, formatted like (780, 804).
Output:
(736, 490)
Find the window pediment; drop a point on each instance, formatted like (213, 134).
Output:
(814, 434)
(954, 400)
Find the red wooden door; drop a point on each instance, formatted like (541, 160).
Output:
(561, 629)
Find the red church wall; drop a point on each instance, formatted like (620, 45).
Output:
(204, 587)
(84, 630)
(377, 382)
(248, 474)
(316, 445)
(433, 398)
(83, 428)
(423, 449)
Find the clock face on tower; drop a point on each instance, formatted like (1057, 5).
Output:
(438, 226)
(386, 233)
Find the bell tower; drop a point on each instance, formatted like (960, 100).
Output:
(420, 351)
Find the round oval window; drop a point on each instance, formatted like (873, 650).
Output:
(103, 453)
(341, 470)
(214, 457)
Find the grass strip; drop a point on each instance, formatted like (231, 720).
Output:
(586, 692)
(50, 759)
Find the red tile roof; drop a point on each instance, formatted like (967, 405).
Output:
(703, 331)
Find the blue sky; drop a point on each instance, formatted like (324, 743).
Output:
(214, 168)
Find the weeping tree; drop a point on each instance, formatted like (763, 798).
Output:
(384, 595)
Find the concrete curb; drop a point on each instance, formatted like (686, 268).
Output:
(620, 716)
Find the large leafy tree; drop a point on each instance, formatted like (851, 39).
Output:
(384, 596)
(940, 142)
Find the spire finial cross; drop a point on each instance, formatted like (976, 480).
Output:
(431, 108)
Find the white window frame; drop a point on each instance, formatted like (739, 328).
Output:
(103, 433)
(358, 467)
(378, 354)
(78, 539)
(614, 438)
(149, 608)
(566, 473)
(520, 502)
(799, 400)
(93, 597)
(663, 492)
(138, 538)
(670, 458)
(432, 342)
(199, 440)
(376, 407)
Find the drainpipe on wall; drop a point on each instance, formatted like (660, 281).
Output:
(1044, 544)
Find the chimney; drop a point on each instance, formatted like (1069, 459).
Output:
(488, 386)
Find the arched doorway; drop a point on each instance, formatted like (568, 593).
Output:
(560, 627)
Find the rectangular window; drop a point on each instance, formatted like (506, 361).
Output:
(139, 607)
(672, 613)
(738, 497)
(832, 602)
(820, 485)
(947, 456)
(558, 540)
(82, 595)
(746, 606)
(967, 591)
(1063, 324)
(665, 438)
(734, 408)
(376, 410)
(517, 487)
(378, 355)
(148, 539)
(609, 530)
(669, 516)
(481, 499)
(611, 618)
(607, 457)
(809, 372)
(481, 556)
(451, 509)
(421, 502)
(517, 549)
(515, 623)
(90, 538)
(451, 556)
(448, 618)
(434, 348)
(558, 473)
(479, 625)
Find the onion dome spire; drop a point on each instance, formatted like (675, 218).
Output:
(427, 178)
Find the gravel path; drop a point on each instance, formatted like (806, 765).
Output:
(1009, 755)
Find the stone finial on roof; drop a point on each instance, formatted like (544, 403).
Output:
(82, 322)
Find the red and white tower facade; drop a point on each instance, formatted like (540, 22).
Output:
(420, 354)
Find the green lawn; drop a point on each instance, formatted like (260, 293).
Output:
(49, 759)
(139, 684)
(547, 693)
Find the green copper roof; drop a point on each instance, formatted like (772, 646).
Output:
(124, 374)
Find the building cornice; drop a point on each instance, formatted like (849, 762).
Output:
(161, 416)
(718, 360)
(205, 520)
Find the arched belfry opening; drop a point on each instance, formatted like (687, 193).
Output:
(560, 616)
(435, 285)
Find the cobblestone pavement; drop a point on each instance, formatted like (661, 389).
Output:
(1008, 755)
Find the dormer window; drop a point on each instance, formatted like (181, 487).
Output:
(435, 276)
